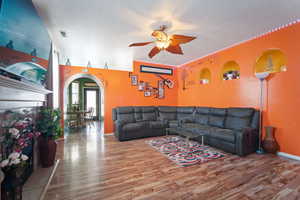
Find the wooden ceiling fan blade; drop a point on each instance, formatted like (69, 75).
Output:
(153, 52)
(175, 49)
(139, 44)
(181, 39)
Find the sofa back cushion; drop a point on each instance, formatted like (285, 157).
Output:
(255, 120)
(114, 114)
(167, 112)
(185, 113)
(125, 114)
(201, 115)
(149, 113)
(239, 118)
(138, 113)
(217, 117)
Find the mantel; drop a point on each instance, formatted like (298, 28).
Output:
(16, 94)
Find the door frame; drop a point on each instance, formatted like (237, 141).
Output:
(98, 102)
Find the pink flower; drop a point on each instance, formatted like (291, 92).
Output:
(24, 157)
(37, 134)
(21, 124)
(30, 135)
(18, 150)
(14, 132)
(14, 155)
(4, 163)
(21, 142)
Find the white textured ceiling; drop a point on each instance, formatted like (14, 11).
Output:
(101, 30)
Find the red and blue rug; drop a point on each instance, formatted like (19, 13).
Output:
(177, 150)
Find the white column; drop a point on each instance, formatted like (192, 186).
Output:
(53, 78)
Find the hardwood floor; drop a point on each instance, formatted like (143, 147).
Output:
(94, 166)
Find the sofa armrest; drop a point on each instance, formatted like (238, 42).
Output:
(118, 124)
(246, 141)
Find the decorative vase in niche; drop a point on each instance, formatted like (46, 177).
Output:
(270, 144)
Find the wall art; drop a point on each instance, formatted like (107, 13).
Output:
(134, 80)
(161, 90)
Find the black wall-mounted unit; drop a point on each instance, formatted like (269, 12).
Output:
(156, 70)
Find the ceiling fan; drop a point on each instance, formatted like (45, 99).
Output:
(165, 42)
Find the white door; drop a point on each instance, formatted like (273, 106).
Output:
(91, 101)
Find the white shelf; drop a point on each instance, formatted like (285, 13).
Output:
(16, 94)
(19, 85)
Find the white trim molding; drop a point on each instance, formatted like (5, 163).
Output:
(286, 155)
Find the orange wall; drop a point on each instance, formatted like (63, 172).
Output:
(119, 91)
(282, 107)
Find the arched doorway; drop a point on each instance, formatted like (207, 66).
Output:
(88, 76)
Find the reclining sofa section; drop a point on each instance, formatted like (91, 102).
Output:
(234, 130)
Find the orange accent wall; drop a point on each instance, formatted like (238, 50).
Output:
(119, 91)
(282, 104)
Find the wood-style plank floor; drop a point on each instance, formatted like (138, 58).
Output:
(95, 167)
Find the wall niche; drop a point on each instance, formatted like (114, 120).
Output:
(205, 76)
(272, 61)
(230, 71)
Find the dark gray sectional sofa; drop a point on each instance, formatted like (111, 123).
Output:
(233, 130)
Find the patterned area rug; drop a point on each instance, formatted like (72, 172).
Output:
(177, 150)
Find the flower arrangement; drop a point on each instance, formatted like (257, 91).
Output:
(16, 137)
(14, 160)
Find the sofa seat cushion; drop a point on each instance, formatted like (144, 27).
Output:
(217, 121)
(197, 128)
(223, 134)
(173, 123)
(134, 126)
(157, 124)
(190, 125)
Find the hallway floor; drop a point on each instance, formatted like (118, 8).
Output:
(95, 167)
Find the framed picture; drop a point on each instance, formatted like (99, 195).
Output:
(141, 86)
(154, 92)
(134, 79)
(147, 93)
(161, 90)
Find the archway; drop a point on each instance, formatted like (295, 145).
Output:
(89, 76)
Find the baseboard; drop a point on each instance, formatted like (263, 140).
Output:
(108, 134)
(49, 180)
(286, 155)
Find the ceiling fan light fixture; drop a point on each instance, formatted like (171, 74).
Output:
(162, 44)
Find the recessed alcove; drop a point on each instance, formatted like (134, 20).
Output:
(230, 71)
(205, 76)
(272, 61)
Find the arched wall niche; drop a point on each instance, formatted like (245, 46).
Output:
(205, 76)
(272, 61)
(230, 71)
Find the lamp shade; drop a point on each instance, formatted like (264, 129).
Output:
(262, 75)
